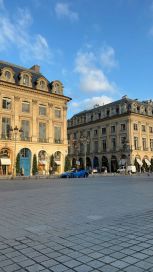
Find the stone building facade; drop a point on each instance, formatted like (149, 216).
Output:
(113, 135)
(28, 101)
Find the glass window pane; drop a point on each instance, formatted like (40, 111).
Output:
(42, 110)
(25, 107)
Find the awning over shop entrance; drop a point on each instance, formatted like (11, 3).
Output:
(139, 162)
(147, 162)
(5, 161)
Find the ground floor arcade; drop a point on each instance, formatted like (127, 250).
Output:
(48, 159)
(113, 162)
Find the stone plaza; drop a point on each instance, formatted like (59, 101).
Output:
(103, 223)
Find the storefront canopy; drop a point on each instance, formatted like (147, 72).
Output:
(5, 161)
(139, 162)
(147, 162)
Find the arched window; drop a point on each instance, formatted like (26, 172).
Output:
(7, 75)
(42, 84)
(26, 80)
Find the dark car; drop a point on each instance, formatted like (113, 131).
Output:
(75, 173)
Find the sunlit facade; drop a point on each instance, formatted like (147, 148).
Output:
(33, 120)
(114, 135)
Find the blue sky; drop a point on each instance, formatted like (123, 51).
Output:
(100, 50)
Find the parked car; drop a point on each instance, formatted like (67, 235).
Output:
(75, 173)
(94, 170)
(121, 170)
(131, 169)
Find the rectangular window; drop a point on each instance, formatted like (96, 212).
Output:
(88, 133)
(143, 128)
(96, 146)
(123, 127)
(6, 124)
(114, 144)
(123, 140)
(135, 126)
(25, 124)
(151, 129)
(88, 148)
(57, 135)
(135, 143)
(151, 144)
(42, 110)
(104, 146)
(95, 132)
(42, 132)
(25, 107)
(144, 144)
(6, 103)
(112, 129)
(58, 113)
(103, 130)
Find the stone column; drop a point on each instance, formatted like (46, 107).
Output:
(35, 124)
(64, 125)
(50, 125)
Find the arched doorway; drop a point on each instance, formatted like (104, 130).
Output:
(151, 167)
(5, 162)
(58, 161)
(138, 163)
(88, 163)
(81, 163)
(42, 162)
(146, 164)
(25, 161)
(74, 163)
(114, 164)
(105, 164)
(96, 163)
(123, 160)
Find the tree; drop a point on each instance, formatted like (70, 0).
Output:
(18, 164)
(34, 165)
(67, 163)
(53, 164)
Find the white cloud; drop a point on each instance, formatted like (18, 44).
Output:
(88, 103)
(92, 78)
(108, 57)
(63, 10)
(15, 32)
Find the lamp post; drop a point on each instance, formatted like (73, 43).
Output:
(85, 140)
(15, 132)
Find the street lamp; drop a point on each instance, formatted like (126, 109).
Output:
(14, 131)
(85, 140)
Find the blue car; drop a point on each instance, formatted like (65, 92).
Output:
(75, 173)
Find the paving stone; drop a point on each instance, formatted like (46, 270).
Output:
(11, 268)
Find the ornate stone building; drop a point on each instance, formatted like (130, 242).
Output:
(33, 120)
(113, 135)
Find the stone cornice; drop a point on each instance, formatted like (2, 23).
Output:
(34, 91)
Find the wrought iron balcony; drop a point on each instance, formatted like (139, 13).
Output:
(58, 141)
(6, 136)
(25, 138)
(42, 140)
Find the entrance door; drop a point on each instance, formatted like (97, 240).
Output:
(25, 161)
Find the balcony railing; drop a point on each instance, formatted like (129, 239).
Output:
(58, 141)
(5, 137)
(24, 138)
(42, 140)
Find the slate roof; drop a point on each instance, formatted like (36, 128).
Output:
(18, 69)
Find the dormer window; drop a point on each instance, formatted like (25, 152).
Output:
(26, 80)
(42, 84)
(7, 75)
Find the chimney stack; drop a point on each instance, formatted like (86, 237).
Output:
(35, 68)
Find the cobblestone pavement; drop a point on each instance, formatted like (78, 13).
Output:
(96, 224)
